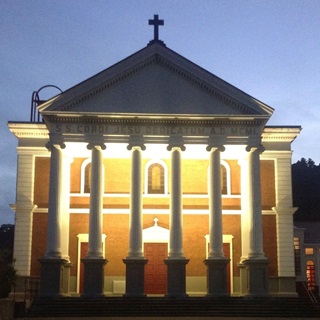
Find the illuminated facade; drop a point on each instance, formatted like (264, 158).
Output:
(155, 177)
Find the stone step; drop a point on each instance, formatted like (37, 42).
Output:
(165, 307)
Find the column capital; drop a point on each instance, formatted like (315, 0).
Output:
(212, 146)
(259, 148)
(136, 141)
(176, 142)
(58, 145)
(96, 145)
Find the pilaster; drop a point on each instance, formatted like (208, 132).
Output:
(24, 212)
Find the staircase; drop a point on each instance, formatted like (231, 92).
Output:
(166, 307)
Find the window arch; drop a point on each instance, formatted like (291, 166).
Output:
(225, 178)
(85, 181)
(311, 276)
(156, 177)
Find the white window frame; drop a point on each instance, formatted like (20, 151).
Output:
(165, 177)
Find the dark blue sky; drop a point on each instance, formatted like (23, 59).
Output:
(269, 49)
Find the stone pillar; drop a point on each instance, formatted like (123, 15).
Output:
(52, 263)
(135, 261)
(176, 262)
(284, 213)
(65, 225)
(94, 261)
(216, 262)
(254, 266)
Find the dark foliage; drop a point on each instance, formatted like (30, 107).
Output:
(7, 271)
(306, 190)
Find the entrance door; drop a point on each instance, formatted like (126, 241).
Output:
(155, 281)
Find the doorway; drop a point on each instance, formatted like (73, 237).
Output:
(155, 279)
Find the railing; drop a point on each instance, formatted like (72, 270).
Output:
(310, 293)
(26, 290)
(35, 116)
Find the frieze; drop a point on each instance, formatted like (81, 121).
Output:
(161, 130)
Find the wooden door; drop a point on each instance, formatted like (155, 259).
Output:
(155, 281)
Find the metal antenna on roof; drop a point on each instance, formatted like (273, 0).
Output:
(36, 101)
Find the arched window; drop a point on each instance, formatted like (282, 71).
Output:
(311, 277)
(225, 178)
(155, 173)
(156, 178)
(87, 178)
(85, 181)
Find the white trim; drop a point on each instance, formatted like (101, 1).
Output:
(165, 177)
(127, 195)
(83, 176)
(34, 151)
(155, 234)
(151, 211)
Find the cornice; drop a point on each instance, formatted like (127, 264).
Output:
(284, 133)
(29, 130)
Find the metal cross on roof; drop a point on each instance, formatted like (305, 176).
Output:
(156, 22)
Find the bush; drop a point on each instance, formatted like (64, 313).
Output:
(8, 275)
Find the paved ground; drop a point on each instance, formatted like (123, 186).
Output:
(170, 318)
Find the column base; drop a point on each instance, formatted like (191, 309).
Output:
(93, 285)
(254, 275)
(66, 279)
(176, 278)
(217, 277)
(51, 277)
(135, 277)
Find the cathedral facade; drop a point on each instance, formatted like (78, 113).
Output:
(155, 177)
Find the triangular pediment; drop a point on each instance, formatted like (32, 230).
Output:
(157, 81)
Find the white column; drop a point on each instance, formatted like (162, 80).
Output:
(66, 207)
(284, 213)
(245, 226)
(55, 209)
(96, 202)
(254, 203)
(135, 236)
(215, 204)
(176, 250)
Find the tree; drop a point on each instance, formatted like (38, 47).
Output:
(7, 272)
(306, 190)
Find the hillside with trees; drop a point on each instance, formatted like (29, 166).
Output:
(306, 190)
